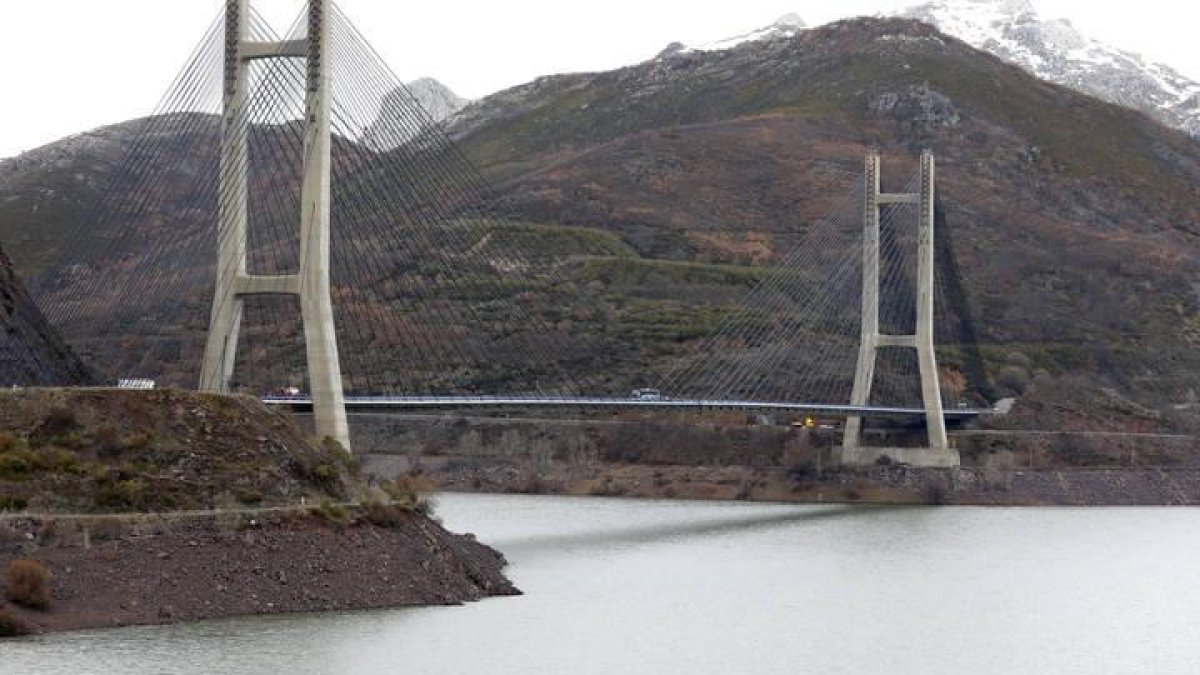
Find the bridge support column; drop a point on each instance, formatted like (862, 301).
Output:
(937, 452)
(316, 306)
(864, 374)
(311, 283)
(220, 352)
(931, 389)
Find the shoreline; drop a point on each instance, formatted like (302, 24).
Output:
(733, 459)
(883, 485)
(155, 569)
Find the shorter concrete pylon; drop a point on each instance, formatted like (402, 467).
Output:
(937, 451)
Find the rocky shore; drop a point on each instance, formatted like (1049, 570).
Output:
(110, 572)
(142, 507)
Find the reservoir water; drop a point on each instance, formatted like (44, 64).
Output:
(621, 586)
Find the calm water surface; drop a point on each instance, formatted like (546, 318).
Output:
(615, 586)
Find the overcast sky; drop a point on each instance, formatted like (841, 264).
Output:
(71, 65)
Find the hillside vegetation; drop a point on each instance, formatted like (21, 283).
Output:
(112, 451)
(1074, 222)
(649, 199)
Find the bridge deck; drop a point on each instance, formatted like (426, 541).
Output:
(368, 403)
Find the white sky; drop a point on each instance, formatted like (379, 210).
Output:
(72, 65)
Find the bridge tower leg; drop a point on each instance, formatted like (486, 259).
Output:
(311, 282)
(864, 374)
(220, 352)
(937, 452)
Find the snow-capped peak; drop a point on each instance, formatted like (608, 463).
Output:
(787, 26)
(1055, 51)
(1050, 49)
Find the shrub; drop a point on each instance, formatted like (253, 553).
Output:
(56, 460)
(325, 475)
(28, 583)
(60, 420)
(107, 442)
(10, 442)
(136, 442)
(11, 503)
(17, 464)
(383, 515)
(1013, 379)
(11, 626)
(332, 445)
(334, 513)
(121, 494)
(248, 496)
(410, 492)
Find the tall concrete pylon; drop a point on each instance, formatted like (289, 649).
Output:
(311, 282)
(938, 452)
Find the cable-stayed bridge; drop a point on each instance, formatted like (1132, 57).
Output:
(359, 257)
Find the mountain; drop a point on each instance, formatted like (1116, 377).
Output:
(786, 27)
(667, 189)
(1073, 220)
(1055, 50)
(1052, 49)
(436, 98)
(438, 102)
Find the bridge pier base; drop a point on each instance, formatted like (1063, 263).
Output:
(927, 457)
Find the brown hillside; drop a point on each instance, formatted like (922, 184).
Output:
(1073, 221)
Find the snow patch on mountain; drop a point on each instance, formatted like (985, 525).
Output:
(1053, 50)
(1056, 51)
(788, 26)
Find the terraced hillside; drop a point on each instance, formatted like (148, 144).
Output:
(1074, 222)
(664, 190)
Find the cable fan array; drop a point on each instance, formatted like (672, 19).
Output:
(795, 336)
(435, 292)
(432, 294)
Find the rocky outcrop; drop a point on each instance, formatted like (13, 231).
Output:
(396, 124)
(436, 98)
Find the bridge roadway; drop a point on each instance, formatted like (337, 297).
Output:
(385, 403)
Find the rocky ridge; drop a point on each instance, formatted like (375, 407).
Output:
(436, 98)
(1051, 49)
(1054, 50)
